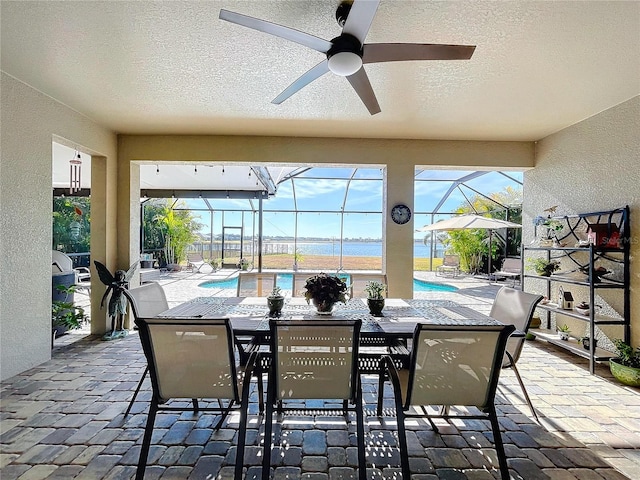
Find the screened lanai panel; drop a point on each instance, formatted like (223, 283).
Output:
(364, 196)
(320, 194)
(363, 226)
(428, 196)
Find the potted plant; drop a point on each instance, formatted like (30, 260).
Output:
(215, 263)
(626, 367)
(563, 332)
(324, 291)
(275, 302)
(375, 297)
(544, 267)
(244, 264)
(586, 343)
(65, 314)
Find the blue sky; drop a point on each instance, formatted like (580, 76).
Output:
(323, 189)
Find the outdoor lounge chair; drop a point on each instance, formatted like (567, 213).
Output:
(193, 358)
(514, 307)
(314, 360)
(61, 263)
(450, 366)
(450, 265)
(511, 268)
(195, 262)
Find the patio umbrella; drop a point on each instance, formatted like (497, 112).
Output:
(467, 222)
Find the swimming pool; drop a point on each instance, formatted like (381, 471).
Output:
(284, 281)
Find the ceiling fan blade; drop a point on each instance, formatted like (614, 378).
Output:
(287, 33)
(308, 77)
(360, 83)
(360, 18)
(398, 52)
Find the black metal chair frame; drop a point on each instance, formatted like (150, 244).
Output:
(388, 370)
(355, 399)
(239, 401)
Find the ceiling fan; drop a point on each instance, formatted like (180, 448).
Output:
(347, 53)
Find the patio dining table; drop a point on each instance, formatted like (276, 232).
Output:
(379, 335)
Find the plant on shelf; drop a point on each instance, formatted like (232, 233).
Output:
(275, 302)
(216, 263)
(325, 291)
(626, 367)
(544, 267)
(563, 331)
(375, 297)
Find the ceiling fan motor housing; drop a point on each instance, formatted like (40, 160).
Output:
(345, 55)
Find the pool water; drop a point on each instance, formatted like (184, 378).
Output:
(284, 281)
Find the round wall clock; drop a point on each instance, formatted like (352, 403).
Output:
(401, 214)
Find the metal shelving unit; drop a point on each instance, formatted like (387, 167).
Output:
(587, 258)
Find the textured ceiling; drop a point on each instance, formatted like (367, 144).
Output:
(174, 67)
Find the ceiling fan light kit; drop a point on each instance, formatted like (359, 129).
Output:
(346, 54)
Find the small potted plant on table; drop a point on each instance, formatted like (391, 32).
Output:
(275, 302)
(626, 367)
(375, 298)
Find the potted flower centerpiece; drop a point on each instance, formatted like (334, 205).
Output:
(375, 297)
(325, 291)
(563, 332)
(626, 367)
(275, 302)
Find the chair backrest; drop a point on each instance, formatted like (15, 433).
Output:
(512, 265)
(456, 365)
(252, 284)
(62, 260)
(147, 300)
(195, 258)
(359, 282)
(315, 359)
(514, 307)
(451, 261)
(190, 358)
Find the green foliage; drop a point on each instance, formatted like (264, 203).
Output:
(71, 224)
(325, 288)
(177, 228)
(276, 292)
(65, 313)
(627, 355)
(544, 267)
(564, 328)
(472, 245)
(375, 290)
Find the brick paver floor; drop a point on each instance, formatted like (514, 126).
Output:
(64, 419)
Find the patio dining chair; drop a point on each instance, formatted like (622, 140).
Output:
(252, 284)
(314, 360)
(146, 301)
(193, 358)
(359, 282)
(450, 366)
(514, 307)
(61, 263)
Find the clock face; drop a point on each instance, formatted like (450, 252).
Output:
(401, 214)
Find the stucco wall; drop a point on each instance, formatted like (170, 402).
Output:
(592, 166)
(29, 123)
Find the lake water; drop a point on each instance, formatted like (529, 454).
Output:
(284, 281)
(360, 249)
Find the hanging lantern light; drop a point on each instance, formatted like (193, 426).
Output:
(75, 172)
